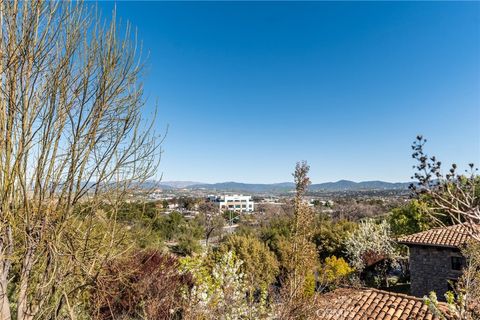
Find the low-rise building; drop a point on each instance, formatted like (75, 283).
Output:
(237, 203)
(436, 260)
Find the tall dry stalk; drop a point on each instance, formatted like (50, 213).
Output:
(299, 256)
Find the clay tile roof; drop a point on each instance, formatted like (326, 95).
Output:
(371, 304)
(453, 236)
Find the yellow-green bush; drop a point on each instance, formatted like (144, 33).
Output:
(335, 270)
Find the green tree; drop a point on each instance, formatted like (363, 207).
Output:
(329, 237)
(170, 226)
(165, 204)
(187, 203)
(410, 218)
(260, 265)
(187, 245)
(278, 228)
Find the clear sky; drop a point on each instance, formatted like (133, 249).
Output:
(249, 88)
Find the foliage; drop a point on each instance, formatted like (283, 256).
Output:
(187, 245)
(210, 220)
(165, 204)
(187, 203)
(169, 226)
(370, 243)
(146, 285)
(357, 208)
(455, 195)
(334, 271)
(137, 210)
(221, 293)
(277, 230)
(174, 226)
(142, 236)
(260, 266)
(309, 286)
(149, 226)
(141, 219)
(410, 218)
(247, 230)
(329, 237)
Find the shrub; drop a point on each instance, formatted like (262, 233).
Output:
(147, 284)
(260, 265)
(335, 270)
(221, 293)
(329, 237)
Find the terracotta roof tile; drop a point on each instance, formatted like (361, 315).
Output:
(368, 303)
(452, 236)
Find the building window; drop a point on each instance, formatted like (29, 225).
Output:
(457, 263)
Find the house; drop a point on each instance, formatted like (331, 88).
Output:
(436, 260)
(372, 304)
(237, 203)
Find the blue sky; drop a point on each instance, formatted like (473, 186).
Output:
(249, 88)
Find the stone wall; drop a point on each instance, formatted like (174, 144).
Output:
(430, 270)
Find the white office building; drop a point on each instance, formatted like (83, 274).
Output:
(237, 203)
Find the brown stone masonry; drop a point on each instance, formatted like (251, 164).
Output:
(431, 268)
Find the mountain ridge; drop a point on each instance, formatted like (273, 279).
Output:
(340, 185)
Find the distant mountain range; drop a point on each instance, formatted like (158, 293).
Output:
(342, 185)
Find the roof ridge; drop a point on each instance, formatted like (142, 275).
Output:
(396, 294)
(436, 228)
(453, 236)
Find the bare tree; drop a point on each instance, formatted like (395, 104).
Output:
(454, 194)
(210, 219)
(72, 139)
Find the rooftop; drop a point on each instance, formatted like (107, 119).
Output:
(372, 304)
(452, 236)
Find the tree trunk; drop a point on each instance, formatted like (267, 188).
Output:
(23, 308)
(4, 303)
(6, 249)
